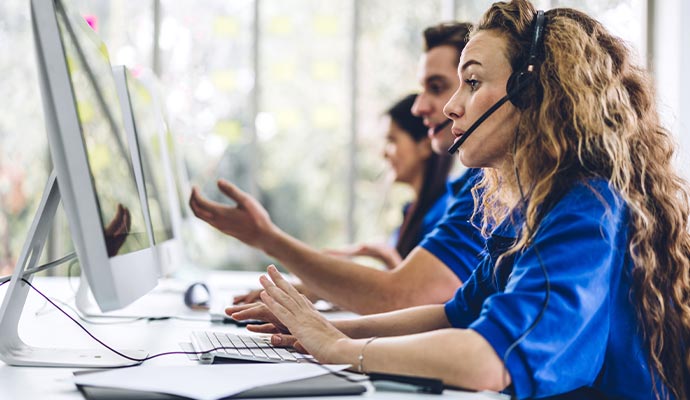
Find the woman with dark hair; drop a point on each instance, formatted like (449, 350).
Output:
(584, 291)
(414, 163)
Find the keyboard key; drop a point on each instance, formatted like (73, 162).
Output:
(246, 347)
(215, 342)
(204, 343)
(225, 342)
(284, 354)
(253, 347)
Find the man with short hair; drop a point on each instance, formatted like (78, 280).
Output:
(433, 271)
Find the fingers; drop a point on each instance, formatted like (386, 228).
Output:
(232, 191)
(298, 346)
(251, 297)
(263, 328)
(200, 206)
(241, 307)
(128, 219)
(277, 308)
(282, 283)
(251, 313)
(281, 340)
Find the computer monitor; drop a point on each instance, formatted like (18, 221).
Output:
(94, 178)
(148, 137)
(91, 157)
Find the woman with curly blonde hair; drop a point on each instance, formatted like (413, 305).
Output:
(585, 288)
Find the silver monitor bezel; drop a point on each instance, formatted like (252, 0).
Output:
(115, 281)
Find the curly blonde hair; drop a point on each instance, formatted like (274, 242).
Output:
(592, 113)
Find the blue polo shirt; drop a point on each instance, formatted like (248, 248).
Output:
(432, 217)
(587, 344)
(455, 240)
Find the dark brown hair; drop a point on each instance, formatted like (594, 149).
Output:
(452, 34)
(436, 169)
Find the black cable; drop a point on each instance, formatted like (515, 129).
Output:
(141, 360)
(547, 282)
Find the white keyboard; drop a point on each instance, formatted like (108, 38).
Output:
(238, 348)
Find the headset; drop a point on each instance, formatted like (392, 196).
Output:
(517, 82)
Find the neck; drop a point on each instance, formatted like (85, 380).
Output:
(510, 193)
(417, 182)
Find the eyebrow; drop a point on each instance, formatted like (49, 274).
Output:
(468, 63)
(435, 78)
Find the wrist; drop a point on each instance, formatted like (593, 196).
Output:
(345, 351)
(361, 368)
(271, 241)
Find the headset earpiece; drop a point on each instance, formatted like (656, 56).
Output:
(520, 80)
(517, 83)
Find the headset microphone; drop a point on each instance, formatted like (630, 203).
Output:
(459, 141)
(517, 82)
(442, 126)
(515, 89)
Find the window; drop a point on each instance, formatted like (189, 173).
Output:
(281, 97)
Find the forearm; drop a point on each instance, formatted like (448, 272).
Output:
(357, 288)
(459, 357)
(396, 323)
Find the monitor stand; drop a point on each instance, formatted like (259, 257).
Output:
(13, 350)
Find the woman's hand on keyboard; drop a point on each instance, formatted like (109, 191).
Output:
(294, 311)
(257, 311)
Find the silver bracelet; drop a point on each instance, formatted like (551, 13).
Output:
(360, 367)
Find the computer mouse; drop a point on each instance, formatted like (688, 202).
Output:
(197, 296)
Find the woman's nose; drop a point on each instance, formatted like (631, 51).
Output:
(453, 109)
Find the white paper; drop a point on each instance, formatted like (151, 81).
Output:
(203, 382)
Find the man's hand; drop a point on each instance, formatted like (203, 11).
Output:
(117, 230)
(248, 221)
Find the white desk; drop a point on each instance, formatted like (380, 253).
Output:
(44, 326)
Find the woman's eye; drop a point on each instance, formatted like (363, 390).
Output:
(473, 83)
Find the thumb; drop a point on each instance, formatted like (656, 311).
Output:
(281, 340)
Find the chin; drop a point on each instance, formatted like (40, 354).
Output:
(468, 161)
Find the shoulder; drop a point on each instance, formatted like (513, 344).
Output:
(591, 201)
(593, 195)
(438, 208)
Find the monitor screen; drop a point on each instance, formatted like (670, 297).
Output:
(150, 136)
(103, 135)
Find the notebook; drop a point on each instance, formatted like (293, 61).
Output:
(321, 385)
(325, 385)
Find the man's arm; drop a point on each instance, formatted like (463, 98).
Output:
(420, 279)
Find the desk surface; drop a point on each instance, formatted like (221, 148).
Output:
(44, 326)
